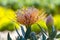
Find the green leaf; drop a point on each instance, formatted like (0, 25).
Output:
(23, 32)
(43, 37)
(42, 30)
(20, 38)
(17, 31)
(33, 36)
(8, 37)
(58, 36)
(53, 33)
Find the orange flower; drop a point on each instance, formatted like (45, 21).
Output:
(28, 16)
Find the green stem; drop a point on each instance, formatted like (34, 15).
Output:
(27, 35)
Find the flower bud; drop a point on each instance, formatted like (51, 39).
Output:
(49, 21)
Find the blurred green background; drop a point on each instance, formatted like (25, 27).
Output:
(9, 7)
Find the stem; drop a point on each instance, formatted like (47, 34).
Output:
(27, 35)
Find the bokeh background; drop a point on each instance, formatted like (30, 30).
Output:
(8, 9)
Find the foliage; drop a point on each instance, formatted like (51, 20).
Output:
(51, 6)
(52, 32)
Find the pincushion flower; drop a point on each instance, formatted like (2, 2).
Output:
(29, 16)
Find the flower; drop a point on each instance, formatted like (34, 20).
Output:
(49, 21)
(28, 16)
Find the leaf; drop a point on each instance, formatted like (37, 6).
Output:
(23, 32)
(58, 36)
(43, 37)
(27, 34)
(8, 37)
(17, 31)
(53, 33)
(33, 36)
(42, 30)
(20, 38)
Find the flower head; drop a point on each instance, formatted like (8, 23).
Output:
(28, 16)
